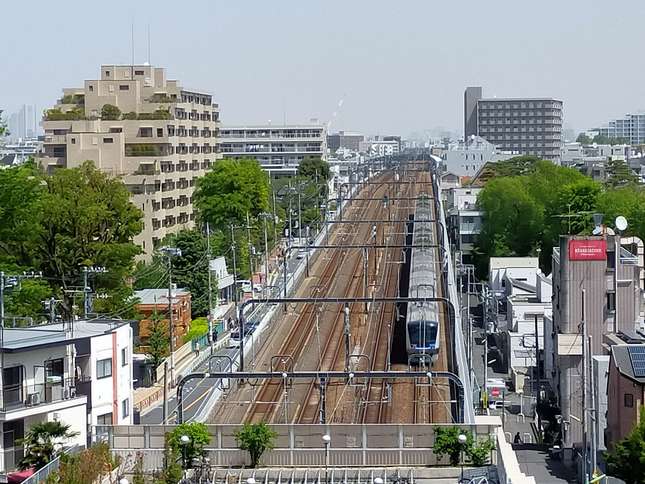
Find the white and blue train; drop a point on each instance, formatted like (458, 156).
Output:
(422, 322)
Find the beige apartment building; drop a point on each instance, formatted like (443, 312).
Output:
(160, 141)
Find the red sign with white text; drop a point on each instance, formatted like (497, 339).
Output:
(588, 249)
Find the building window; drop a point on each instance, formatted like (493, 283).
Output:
(107, 73)
(104, 368)
(105, 419)
(629, 400)
(91, 88)
(124, 87)
(73, 141)
(124, 356)
(159, 132)
(108, 140)
(138, 73)
(125, 408)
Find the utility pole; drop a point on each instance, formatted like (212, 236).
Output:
(266, 249)
(87, 290)
(234, 270)
(275, 229)
(537, 379)
(2, 282)
(299, 220)
(211, 311)
(485, 321)
(248, 235)
(585, 461)
(170, 253)
(592, 412)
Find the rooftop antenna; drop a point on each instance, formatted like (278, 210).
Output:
(148, 44)
(132, 47)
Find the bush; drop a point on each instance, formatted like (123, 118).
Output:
(447, 442)
(256, 438)
(56, 114)
(198, 328)
(110, 112)
(199, 437)
(87, 466)
(131, 115)
(171, 472)
(156, 115)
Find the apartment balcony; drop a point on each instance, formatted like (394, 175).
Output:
(55, 139)
(24, 399)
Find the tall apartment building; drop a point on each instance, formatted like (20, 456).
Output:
(278, 149)
(611, 305)
(630, 128)
(531, 126)
(163, 140)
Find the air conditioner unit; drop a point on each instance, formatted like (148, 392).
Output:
(33, 399)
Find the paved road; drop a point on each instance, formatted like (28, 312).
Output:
(197, 392)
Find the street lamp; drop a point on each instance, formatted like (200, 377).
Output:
(251, 480)
(123, 480)
(378, 480)
(327, 442)
(462, 444)
(185, 440)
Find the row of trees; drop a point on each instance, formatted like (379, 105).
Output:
(528, 203)
(600, 139)
(60, 224)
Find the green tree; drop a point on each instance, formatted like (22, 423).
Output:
(583, 139)
(191, 269)
(43, 442)
(479, 453)
(256, 439)
(446, 442)
(626, 460)
(601, 139)
(198, 436)
(230, 191)
(87, 219)
(109, 112)
(628, 201)
(21, 204)
(158, 340)
(314, 168)
(619, 174)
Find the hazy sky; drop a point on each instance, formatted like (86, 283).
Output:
(400, 66)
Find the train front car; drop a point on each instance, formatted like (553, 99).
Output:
(422, 324)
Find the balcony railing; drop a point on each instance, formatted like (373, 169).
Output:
(20, 395)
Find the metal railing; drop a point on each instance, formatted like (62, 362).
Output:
(43, 473)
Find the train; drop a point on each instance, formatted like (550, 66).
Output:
(422, 320)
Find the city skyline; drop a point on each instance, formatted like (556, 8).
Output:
(298, 62)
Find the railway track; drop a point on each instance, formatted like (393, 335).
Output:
(266, 404)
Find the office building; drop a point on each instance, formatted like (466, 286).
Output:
(343, 139)
(78, 373)
(278, 149)
(630, 129)
(530, 126)
(160, 140)
(465, 158)
(612, 299)
(23, 124)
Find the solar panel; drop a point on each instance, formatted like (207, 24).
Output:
(637, 355)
